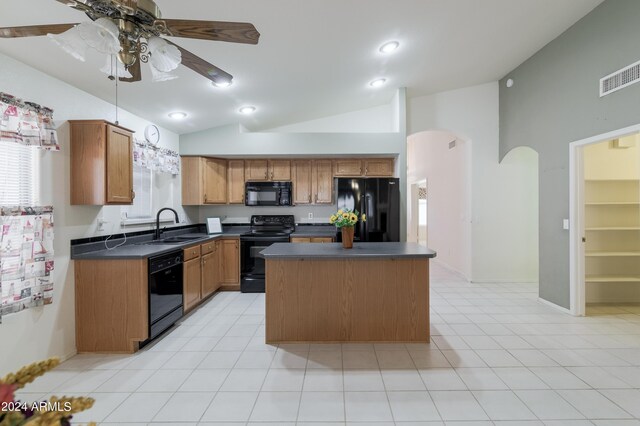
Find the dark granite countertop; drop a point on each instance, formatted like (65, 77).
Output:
(335, 250)
(314, 231)
(136, 247)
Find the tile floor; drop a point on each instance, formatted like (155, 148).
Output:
(497, 357)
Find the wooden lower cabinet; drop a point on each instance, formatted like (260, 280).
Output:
(111, 305)
(312, 239)
(192, 282)
(209, 272)
(231, 261)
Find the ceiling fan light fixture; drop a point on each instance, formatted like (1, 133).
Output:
(157, 75)
(164, 57)
(389, 47)
(71, 42)
(115, 68)
(178, 115)
(101, 35)
(221, 83)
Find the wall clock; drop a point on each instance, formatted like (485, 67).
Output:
(152, 134)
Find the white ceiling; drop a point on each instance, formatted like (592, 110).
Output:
(315, 57)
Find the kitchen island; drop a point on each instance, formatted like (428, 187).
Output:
(375, 292)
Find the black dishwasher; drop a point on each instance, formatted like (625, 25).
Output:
(165, 291)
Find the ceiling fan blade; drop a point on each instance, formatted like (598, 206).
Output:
(135, 71)
(235, 32)
(201, 66)
(34, 30)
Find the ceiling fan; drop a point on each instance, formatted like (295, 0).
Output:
(134, 30)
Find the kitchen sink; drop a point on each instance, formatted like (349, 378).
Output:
(178, 239)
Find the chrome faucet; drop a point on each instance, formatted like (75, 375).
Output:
(157, 234)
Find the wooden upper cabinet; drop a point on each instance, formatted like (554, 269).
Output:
(101, 163)
(378, 167)
(215, 181)
(322, 182)
(348, 167)
(257, 170)
(279, 170)
(268, 170)
(302, 188)
(235, 177)
(192, 174)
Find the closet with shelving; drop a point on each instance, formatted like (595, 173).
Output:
(612, 221)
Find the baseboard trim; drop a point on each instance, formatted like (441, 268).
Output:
(554, 306)
(451, 268)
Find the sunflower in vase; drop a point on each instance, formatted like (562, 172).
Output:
(346, 217)
(345, 220)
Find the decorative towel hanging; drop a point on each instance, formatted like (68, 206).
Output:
(26, 258)
(27, 123)
(154, 158)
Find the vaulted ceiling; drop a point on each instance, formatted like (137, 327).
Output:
(315, 57)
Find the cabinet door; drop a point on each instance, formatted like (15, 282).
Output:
(191, 172)
(257, 170)
(280, 169)
(209, 278)
(378, 167)
(322, 182)
(215, 181)
(301, 181)
(230, 261)
(348, 167)
(235, 177)
(191, 283)
(119, 158)
(218, 261)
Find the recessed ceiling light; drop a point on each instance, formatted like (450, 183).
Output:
(221, 83)
(178, 115)
(389, 47)
(378, 82)
(247, 110)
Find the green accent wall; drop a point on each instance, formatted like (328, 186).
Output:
(555, 101)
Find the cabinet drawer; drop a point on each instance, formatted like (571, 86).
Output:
(321, 239)
(208, 247)
(191, 253)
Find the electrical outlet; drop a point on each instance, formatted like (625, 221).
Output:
(101, 223)
(310, 215)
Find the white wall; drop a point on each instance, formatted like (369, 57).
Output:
(447, 172)
(504, 201)
(378, 119)
(47, 331)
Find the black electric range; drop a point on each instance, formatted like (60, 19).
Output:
(265, 230)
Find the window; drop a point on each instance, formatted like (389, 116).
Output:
(141, 207)
(19, 179)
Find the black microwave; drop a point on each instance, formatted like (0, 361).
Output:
(267, 194)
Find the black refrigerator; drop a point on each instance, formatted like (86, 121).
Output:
(379, 199)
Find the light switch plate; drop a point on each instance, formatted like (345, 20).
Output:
(310, 215)
(565, 223)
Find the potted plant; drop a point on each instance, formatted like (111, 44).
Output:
(345, 220)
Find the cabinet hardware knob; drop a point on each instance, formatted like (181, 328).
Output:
(133, 194)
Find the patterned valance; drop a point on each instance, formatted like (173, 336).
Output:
(155, 158)
(27, 123)
(26, 258)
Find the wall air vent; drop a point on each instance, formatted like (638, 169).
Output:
(620, 79)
